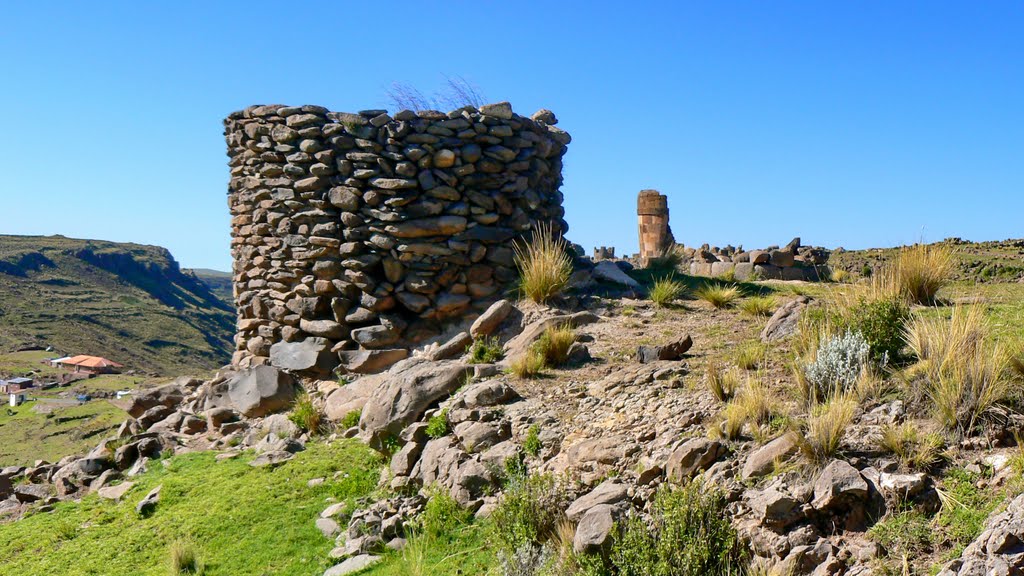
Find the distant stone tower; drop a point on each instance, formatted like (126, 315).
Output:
(655, 234)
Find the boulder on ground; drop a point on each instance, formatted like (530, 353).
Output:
(608, 492)
(254, 392)
(838, 484)
(371, 361)
(785, 321)
(761, 462)
(168, 396)
(609, 272)
(489, 321)
(406, 391)
(594, 531)
(692, 457)
(148, 504)
(311, 355)
(671, 351)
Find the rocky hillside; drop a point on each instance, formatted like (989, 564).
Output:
(993, 261)
(129, 302)
(219, 282)
(601, 435)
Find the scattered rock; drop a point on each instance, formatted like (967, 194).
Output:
(149, 503)
(838, 484)
(353, 565)
(672, 351)
(785, 321)
(594, 531)
(692, 457)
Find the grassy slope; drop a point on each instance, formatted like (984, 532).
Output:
(127, 302)
(242, 519)
(29, 436)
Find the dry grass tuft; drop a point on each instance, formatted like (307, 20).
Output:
(306, 416)
(718, 296)
(185, 559)
(912, 447)
(753, 405)
(820, 436)
(751, 355)
(544, 265)
(666, 290)
(965, 374)
(761, 306)
(722, 383)
(528, 365)
(554, 344)
(920, 271)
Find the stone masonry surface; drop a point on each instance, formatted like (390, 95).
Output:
(355, 235)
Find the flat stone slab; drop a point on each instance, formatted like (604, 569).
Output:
(352, 565)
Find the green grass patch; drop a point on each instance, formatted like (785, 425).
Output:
(242, 520)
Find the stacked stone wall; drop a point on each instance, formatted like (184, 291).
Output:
(363, 233)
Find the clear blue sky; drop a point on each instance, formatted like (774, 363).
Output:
(850, 124)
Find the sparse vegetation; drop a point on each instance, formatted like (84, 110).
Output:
(306, 416)
(185, 558)
(751, 355)
(722, 383)
(528, 365)
(437, 425)
(351, 419)
(529, 512)
(922, 270)
(485, 350)
(821, 434)
(532, 443)
(964, 374)
(760, 306)
(914, 448)
(544, 265)
(690, 534)
(666, 290)
(718, 296)
(553, 346)
(839, 363)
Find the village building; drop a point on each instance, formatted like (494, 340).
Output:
(15, 385)
(90, 365)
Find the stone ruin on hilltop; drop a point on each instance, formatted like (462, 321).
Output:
(355, 235)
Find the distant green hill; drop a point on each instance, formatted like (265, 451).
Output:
(220, 283)
(127, 302)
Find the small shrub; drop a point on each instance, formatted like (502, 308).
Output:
(544, 265)
(185, 559)
(528, 559)
(553, 346)
(529, 511)
(690, 533)
(760, 306)
(437, 426)
(485, 351)
(305, 415)
(882, 322)
(666, 290)
(922, 270)
(913, 449)
(531, 444)
(351, 419)
(751, 355)
(722, 383)
(838, 365)
(528, 365)
(867, 271)
(718, 296)
(442, 516)
(822, 433)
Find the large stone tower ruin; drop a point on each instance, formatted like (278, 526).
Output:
(655, 234)
(357, 235)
